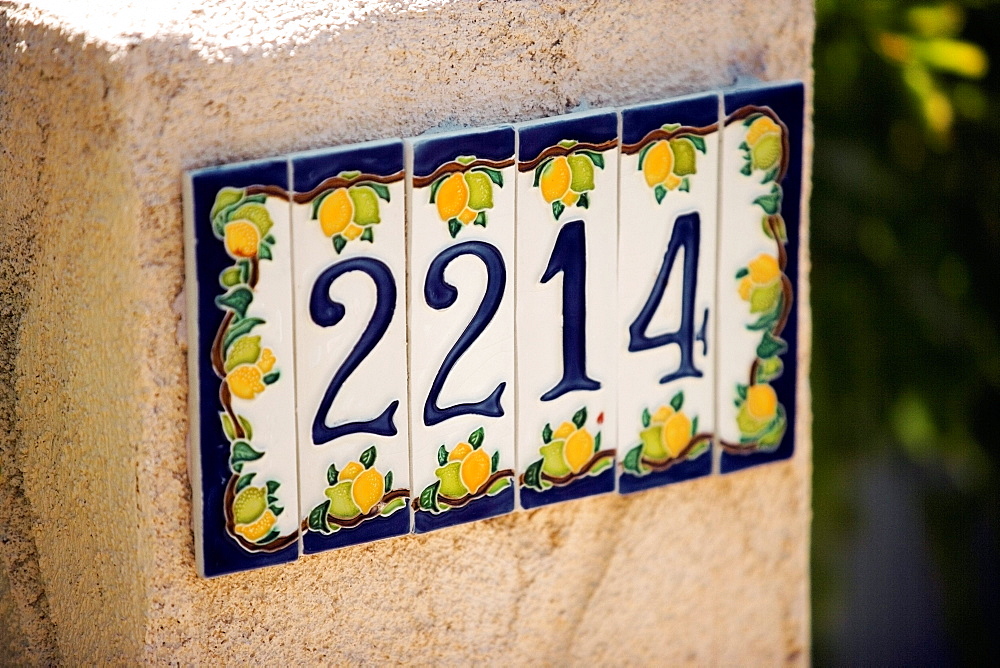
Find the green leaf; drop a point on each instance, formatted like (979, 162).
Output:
(245, 423)
(633, 460)
(317, 517)
(274, 533)
(243, 452)
(568, 143)
(442, 455)
(767, 320)
(465, 159)
(769, 369)
(685, 185)
(557, 209)
(480, 219)
(743, 271)
(435, 187)
(388, 482)
(495, 462)
(498, 486)
(230, 277)
(368, 457)
(332, 475)
(380, 190)
(271, 499)
(318, 201)
(244, 266)
(277, 510)
(428, 497)
(368, 235)
(270, 239)
(495, 175)
(694, 425)
(580, 417)
(600, 466)
(746, 170)
(750, 119)
(643, 152)
(597, 442)
(538, 171)
(699, 142)
(393, 506)
(699, 450)
(265, 252)
(339, 241)
(547, 433)
(659, 192)
(677, 401)
(271, 378)
(244, 481)
(744, 146)
(670, 127)
(741, 391)
(770, 175)
(771, 346)
(770, 203)
(476, 438)
(226, 197)
(239, 329)
(272, 486)
(595, 158)
(237, 301)
(646, 418)
(584, 201)
(454, 225)
(227, 426)
(533, 475)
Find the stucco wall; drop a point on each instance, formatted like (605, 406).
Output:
(102, 109)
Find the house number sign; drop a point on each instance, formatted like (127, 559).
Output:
(405, 335)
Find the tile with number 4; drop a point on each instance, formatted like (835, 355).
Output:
(348, 222)
(666, 291)
(567, 222)
(240, 360)
(758, 273)
(461, 243)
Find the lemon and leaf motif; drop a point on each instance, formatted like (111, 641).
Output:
(245, 366)
(463, 198)
(762, 149)
(566, 180)
(567, 453)
(668, 164)
(668, 436)
(350, 212)
(465, 472)
(354, 494)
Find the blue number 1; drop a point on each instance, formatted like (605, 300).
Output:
(569, 256)
(686, 235)
(326, 312)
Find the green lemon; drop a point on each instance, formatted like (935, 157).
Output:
(765, 297)
(249, 505)
(226, 197)
(342, 504)
(767, 151)
(652, 443)
(582, 169)
(365, 205)
(451, 480)
(245, 350)
(480, 191)
(256, 214)
(554, 460)
(748, 424)
(684, 156)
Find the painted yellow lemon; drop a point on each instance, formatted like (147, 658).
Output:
(676, 433)
(367, 489)
(242, 239)
(760, 127)
(762, 401)
(335, 212)
(245, 381)
(555, 179)
(351, 471)
(578, 449)
(475, 470)
(459, 452)
(258, 529)
(452, 197)
(658, 163)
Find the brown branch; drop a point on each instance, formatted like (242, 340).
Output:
(660, 133)
(341, 182)
(270, 191)
(570, 477)
(786, 305)
(751, 109)
(275, 545)
(469, 498)
(562, 150)
(218, 364)
(226, 399)
(355, 521)
(772, 225)
(657, 467)
(455, 166)
(739, 448)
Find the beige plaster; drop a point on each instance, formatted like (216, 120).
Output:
(103, 105)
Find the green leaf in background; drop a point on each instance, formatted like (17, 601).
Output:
(428, 497)
(480, 219)
(227, 426)
(388, 483)
(495, 175)
(230, 277)
(659, 192)
(740, 273)
(237, 300)
(339, 241)
(271, 378)
(677, 401)
(699, 142)
(243, 481)
(435, 187)
(770, 203)
(632, 461)
(368, 457)
(595, 158)
(317, 518)
(495, 462)
(454, 226)
(442, 455)
(584, 201)
(393, 506)
(265, 252)
(547, 433)
(770, 346)
(380, 190)
(580, 417)
(646, 418)
(597, 442)
(239, 329)
(332, 475)
(476, 438)
(272, 486)
(557, 209)
(242, 452)
(533, 475)
(368, 235)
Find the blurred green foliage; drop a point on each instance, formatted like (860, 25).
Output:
(905, 281)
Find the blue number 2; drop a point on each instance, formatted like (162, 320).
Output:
(569, 256)
(686, 235)
(326, 312)
(440, 294)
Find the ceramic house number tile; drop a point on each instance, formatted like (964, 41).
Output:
(758, 273)
(348, 223)
(567, 221)
(461, 268)
(666, 291)
(241, 367)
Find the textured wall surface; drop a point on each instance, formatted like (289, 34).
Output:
(100, 112)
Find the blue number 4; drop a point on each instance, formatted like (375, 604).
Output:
(686, 235)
